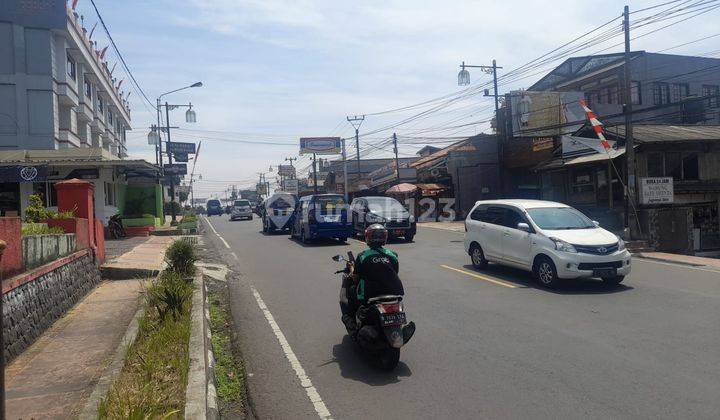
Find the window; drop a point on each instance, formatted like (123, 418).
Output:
(690, 170)
(678, 92)
(479, 213)
(109, 194)
(512, 218)
(71, 67)
(673, 165)
(711, 90)
(582, 181)
(655, 164)
(635, 93)
(101, 105)
(88, 89)
(110, 118)
(612, 95)
(560, 218)
(661, 93)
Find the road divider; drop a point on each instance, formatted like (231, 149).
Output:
(481, 277)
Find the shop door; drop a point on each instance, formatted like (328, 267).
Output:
(673, 231)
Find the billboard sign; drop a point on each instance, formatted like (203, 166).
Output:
(22, 173)
(320, 145)
(181, 157)
(181, 148)
(175, 169)
(286, 170)
(539, 114)
(291, 186)
(656, 190)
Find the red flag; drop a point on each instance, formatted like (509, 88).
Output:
(74, 4)
(102, 53)
(596, 124)
(92, 30)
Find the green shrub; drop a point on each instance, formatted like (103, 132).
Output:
(169, 206)
(170, 294)
(35, 212)
(180, 258)
(190, 217)
(30, 229)
(63, 215)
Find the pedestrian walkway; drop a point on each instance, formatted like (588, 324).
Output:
(455, 226)
(146, 259)
(56, 375)
(681, 259)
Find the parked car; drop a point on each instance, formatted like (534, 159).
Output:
(278, 212)
(321, 216)
(241, 209)
(552, 240)
(386, 211)
(214, 208)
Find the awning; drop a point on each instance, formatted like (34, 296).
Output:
(431, 189)
(404, 188)
(593, 158)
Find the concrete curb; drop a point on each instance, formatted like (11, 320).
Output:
(200, 395)
(645, 257)
(112, 371)
(109, 272)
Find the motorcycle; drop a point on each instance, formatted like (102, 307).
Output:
(115, 227)
(382, 327)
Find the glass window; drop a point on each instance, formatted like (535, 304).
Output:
(690, 166)
(678, 92)
(673, 166)
(655, 164)
(661, 93)
(71, 67)
(53, 194)
(242, 203)
(88, 89)
(635, 93)
(711, 90)
(494, 215)
(612, 95)
(40, 189)
(560, 218)
(479, 213)
(109, 194)
(512, 218)
(582, 181)
(101, 105)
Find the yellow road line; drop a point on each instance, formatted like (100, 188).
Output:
(478, 276)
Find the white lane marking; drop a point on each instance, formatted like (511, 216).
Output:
(305, 381)
(216, 233)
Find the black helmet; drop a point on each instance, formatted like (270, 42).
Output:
(376, 235)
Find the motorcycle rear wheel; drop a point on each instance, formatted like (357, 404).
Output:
(389, 358)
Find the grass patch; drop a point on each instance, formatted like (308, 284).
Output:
(229, 370)
(153, 381)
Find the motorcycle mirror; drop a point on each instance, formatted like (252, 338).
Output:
(338, 258)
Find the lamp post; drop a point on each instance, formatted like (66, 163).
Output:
(190, 117)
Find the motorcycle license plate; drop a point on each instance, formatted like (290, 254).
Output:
(605, 272)
(397, 318)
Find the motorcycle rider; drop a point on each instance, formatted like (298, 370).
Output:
(375, 273)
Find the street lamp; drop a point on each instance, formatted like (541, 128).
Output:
(463, 76)
(153, 136)
(190, 117)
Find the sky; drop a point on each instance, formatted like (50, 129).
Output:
(277, 70)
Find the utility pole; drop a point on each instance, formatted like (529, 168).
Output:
(315, 190)
(397, 160)
(356, 122)
(291, 160)
(629, 139)
(173, 211)
(345, 174)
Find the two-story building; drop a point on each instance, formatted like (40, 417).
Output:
(59, 102)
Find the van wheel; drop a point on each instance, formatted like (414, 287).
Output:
(613, 280)
(477, 256)
(303, 239)
(546, 273)
(409, 237)
(266, 228)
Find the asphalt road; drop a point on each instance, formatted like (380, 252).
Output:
(488, 344)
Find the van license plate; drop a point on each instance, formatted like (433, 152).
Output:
(397, 318)
(605, 272)
(399, 232)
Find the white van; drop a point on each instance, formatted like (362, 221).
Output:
(552, 240)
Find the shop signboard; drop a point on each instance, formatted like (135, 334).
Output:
(175, 169)
(24, 173)
(181, 148)
(540, 114)
(320, 145)
(181, 157)
(291, 186)
(286, 170)
(656, 190)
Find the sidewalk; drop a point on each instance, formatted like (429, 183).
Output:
(681, 259)
(56, 375)
(455, 226)
(144, 260)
